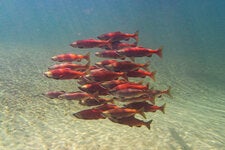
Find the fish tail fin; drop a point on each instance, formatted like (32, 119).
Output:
(152, 75)
(88, 64)
(159, 52)
(109, 43)
(148, 124)
(136, 37)
(141, 112)
(168, 92)
(87, 56)
(124, 75)
(146, 65)
(162, 108)
(135, 43)
(147, 85)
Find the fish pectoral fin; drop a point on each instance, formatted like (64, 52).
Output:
(141, 112)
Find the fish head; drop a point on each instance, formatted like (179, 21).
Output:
(62, 96)
(98, 54)
(84, 87)
(48, 74)
(98, 64)
(89, 77)
(106, 114)
(109, 67)
(74, 45)
(54, 58)
(78, 115)
(101, 37)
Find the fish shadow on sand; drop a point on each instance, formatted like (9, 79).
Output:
(179, 139)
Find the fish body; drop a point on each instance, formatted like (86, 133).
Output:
(90, 43)
(64, 74)
(104, 75)
(141, 74)
(89, 114)
(76, 96)
(132, 121)
(53, 94)
(112, 83)
(71, 66)
(118, 36)
(130, 85)
(146, 106)
(94, 113)
(128, 93)
(94, 101)
(70, 57)
(141, 98)
(119, 45)
(125, 66)
(139, 52)
(121, 113)
(106, 106)
(94, 88)
(105, 62)
(112, 54)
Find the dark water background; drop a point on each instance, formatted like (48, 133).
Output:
(192, 33)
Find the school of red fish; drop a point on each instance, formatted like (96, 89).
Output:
(105, 86)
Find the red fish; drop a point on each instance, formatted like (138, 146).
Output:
(132, 121)
(95, 101)
(89, 114)
(155, 93)
(141, 98)
(141, 74)
(104, 62)
(125, 66)
(93, 88)
(147, 107)
(71, 66)
(53, 94)
(122, 113)
(104, 75)
(139, 52)
(106, 106)
(118, 36)
(112, 54)
(119, 45)
(130, 85)
(71, 57)
(128, 93)
(76, 96)
(91, 43)
(113, 83)
(94, 113)
(63, 74)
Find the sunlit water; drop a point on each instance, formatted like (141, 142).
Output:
(192, 34)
